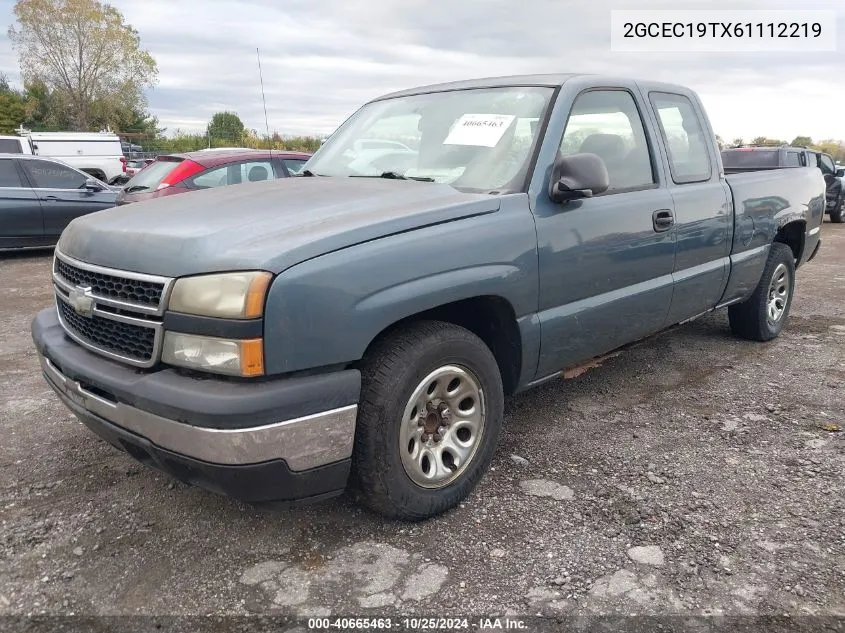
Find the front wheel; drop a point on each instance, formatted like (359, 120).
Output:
(429, 420)
(762, 316)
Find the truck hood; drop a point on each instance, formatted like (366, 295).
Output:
(268, 225)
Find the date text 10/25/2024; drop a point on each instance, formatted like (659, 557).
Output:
(417, 624)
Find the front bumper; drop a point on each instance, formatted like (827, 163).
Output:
(275, 440)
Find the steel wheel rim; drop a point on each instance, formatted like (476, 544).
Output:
(778, 294)
(442, 426)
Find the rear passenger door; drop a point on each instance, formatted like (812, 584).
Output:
(606, 261)
(703, 212)
(21, 222)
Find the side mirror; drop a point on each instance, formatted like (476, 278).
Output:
(578, 176)
(93, 185)
(840, 173)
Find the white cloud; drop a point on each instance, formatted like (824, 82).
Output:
(321, 60)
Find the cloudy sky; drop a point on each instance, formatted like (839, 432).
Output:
(323, 58)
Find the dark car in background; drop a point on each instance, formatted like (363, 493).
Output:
(180, 173)
(39, 197)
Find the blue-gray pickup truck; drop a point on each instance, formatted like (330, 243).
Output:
(359, 325)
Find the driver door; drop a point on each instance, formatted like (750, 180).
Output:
(605, 262)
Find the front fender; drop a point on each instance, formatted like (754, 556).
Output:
(326, 311)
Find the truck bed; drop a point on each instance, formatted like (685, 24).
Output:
(766, 199)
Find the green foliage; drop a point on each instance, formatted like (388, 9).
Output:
(12, 112)
(88, 58)
(226, 125)
(802, 141)
(181, 142)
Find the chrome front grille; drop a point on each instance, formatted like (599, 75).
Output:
(112, 312)
(120, 288)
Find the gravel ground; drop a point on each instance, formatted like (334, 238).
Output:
(692, 474)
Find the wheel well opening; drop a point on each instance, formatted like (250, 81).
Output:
(490, 318)
(792, 235)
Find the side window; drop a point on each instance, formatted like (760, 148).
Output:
(793, 159)
(826, 165)
(255, 171)
(233, 174)
(49, 175)
(685, 140)
(607, 123)
(217, 177)
(9, 176)
(294, 165)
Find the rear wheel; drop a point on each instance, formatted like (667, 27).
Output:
(431, 410)
(838, 214)
(762, 316)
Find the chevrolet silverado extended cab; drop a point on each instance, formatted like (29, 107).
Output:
(358, 326)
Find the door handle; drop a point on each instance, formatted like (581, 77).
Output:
(50, 198)
(662, 220)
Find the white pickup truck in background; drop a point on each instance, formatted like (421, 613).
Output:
(97, 153)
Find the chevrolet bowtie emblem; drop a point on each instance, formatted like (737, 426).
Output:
(81, 300)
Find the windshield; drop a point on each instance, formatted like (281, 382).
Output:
(478, 140)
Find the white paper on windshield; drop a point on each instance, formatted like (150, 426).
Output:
(483, 130)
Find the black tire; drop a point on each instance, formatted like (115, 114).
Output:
(392, 372)
(750, 319)
(838, 213)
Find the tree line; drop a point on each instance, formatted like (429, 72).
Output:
(84, 69)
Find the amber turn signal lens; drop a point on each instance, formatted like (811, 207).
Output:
(254, 307)
(252, 357)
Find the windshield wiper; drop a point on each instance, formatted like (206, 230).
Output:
(393, 176)
(135, 188)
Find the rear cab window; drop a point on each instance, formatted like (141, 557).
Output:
(750, 158)
(793, 159)
(683, 135)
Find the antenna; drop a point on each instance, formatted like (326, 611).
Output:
(264, 101)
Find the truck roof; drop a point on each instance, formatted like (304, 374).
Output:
(74, 136)
(552, 80)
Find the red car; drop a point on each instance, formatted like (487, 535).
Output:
(180, 173)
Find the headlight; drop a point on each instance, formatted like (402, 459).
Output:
(218, 355)
(227, 295)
